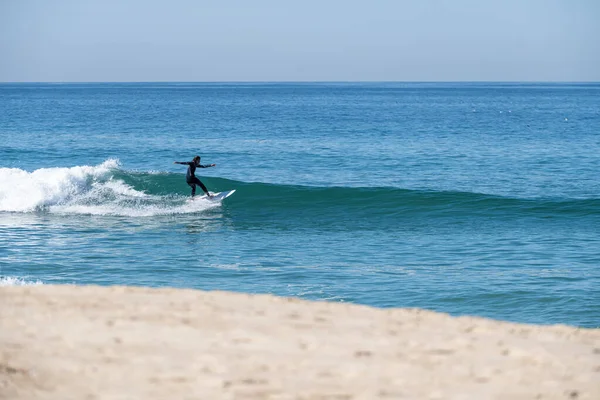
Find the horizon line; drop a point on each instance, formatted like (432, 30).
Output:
(303, 81)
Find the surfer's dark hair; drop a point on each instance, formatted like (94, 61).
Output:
(196, 158)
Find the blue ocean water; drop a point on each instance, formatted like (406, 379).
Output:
(466, 198)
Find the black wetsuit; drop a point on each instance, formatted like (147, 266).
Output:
(190, 176)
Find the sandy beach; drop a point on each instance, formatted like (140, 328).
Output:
(87, 342)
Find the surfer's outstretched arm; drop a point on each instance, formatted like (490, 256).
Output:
(207, 166)
(183, 162)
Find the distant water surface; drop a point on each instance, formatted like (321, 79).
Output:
(467, 198)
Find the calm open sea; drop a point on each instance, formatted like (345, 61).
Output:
(466, 198)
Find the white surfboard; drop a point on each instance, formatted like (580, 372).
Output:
(219, 196)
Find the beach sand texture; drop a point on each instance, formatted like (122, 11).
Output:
(88, 342)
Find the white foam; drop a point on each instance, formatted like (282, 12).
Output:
(119, 187)
(12, 281)
(23, 191)
(132, 210)
(90, 190)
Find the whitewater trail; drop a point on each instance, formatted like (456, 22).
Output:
(90, 190)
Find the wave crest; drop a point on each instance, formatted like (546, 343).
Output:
(95, 190)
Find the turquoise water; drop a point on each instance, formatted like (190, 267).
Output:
(467, 198)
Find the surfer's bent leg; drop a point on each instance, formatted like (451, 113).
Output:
(197, 181)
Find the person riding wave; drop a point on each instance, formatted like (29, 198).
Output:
(190, 176)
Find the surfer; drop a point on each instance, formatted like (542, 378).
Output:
(190, 177)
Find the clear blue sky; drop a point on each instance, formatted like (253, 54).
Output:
(303, 40)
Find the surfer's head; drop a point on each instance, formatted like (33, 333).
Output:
(196, 159)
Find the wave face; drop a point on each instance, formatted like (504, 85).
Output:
(106, 189)
(394, 202)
